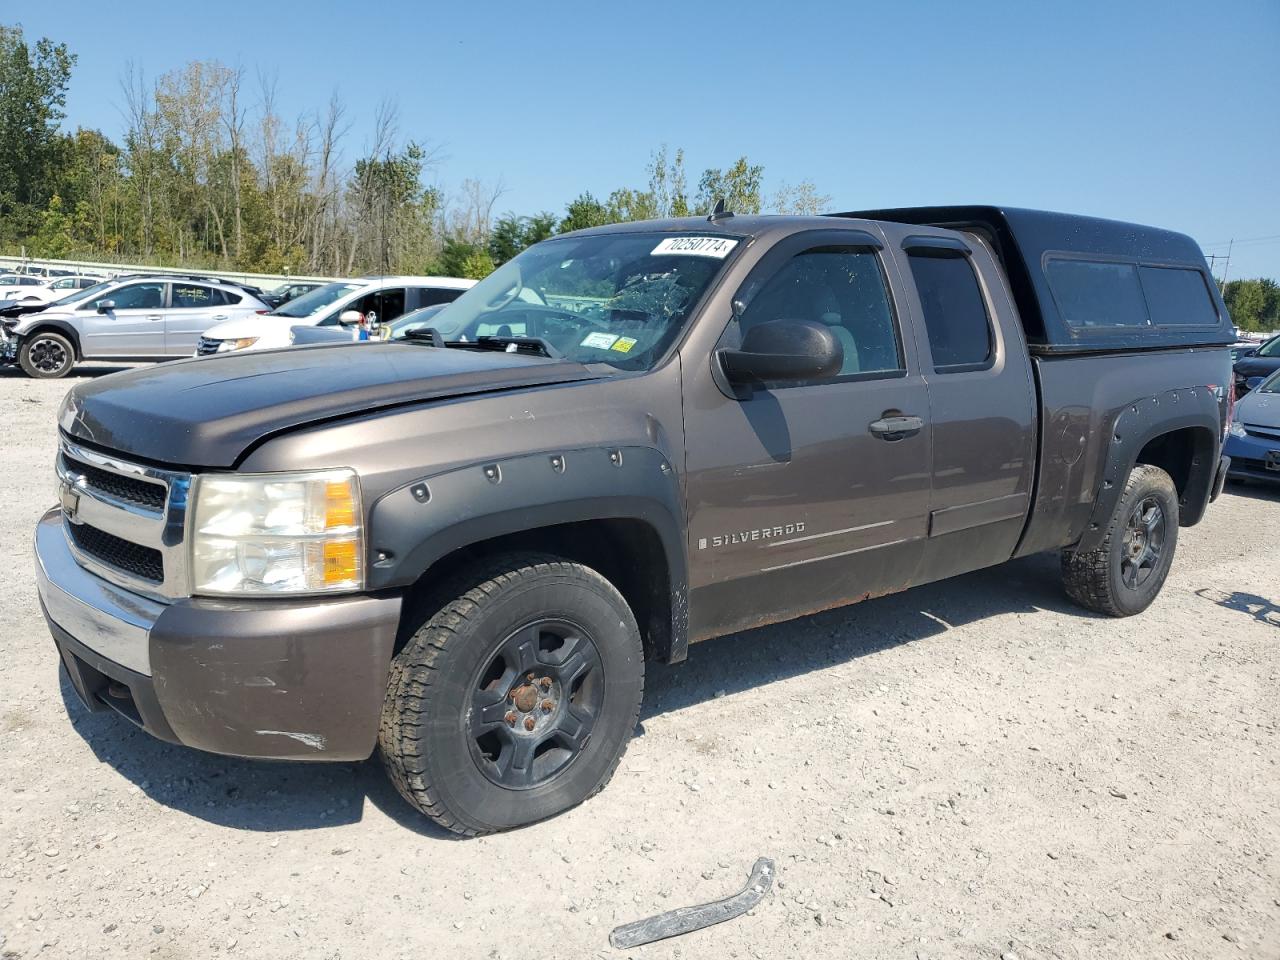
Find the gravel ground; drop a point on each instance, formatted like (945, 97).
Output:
(971, 769)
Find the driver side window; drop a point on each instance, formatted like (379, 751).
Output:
(843, 289)
(135, 296)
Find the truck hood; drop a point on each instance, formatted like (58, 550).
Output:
(207, 412)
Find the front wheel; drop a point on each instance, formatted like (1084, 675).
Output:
(515, 700)
(46, 356)
(1123, 575)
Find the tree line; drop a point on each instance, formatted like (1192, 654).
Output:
(209, 174)
(1253, 304)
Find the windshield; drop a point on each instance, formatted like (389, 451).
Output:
(317, 299)
(1270, 349)
(616, 298)
(413, 320)
(78, 295)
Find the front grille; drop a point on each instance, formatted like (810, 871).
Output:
(207, 346)
(131, 558)
(1266, 433)
(140, 493)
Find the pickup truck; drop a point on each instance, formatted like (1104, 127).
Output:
(460, 549)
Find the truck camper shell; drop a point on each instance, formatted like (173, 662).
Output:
(1087, 285)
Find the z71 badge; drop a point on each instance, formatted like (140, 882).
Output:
(746, 536)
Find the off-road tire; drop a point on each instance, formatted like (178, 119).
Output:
(46, 344)
(425, 739)
(1094, 578)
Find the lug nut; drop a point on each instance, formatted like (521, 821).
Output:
(545, 682)
(547, 706)
(528, 723)
(510, 718)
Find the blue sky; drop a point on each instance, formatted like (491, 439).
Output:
(1162, 113)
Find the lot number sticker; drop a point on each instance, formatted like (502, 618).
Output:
(600, 341)
(718, 247)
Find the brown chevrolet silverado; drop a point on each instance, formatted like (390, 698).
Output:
(459, 550)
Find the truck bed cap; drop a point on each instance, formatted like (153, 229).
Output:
(1034, 245)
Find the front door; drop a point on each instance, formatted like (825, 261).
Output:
(800, 498)
(132, 327)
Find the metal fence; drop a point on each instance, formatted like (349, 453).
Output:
(97, 268)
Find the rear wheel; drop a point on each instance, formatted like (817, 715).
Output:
(515, 700)
(46, 356)
(1123, 575)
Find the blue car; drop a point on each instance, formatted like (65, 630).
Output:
(1253, 443)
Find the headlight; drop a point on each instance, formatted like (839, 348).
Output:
(226, 346)
(277, 533)
(1237, 429)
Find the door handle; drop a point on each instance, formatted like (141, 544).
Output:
(896, 428)
(155, 318)
(220, 317)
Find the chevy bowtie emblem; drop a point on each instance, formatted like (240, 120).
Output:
(69, 497)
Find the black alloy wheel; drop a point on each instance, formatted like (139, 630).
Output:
(535, 703)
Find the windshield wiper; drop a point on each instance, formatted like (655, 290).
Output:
(534, 345)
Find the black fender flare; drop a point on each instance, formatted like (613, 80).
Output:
(420, 522)
(56, 326)
(1137, 424)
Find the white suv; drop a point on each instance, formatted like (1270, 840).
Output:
(378, 300)
(128, 318)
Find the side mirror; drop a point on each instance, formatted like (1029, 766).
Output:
(106, 306)
(782, 351)
(350, 317)
(1246, 352)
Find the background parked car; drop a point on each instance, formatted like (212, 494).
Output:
(49, 291)
(1253, 443)
(132, 318)
(395, 330)
(289, 290)
(378, 300)
(9, 281)
(1262, 362)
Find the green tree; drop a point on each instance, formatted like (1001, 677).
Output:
(739, 186)
(461, 259)
(512, 233)
(33, 92)
(582, 212)
(1246, 300)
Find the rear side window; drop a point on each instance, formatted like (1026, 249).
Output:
(189, 295)
(955, 312)
(1091, 293)
(1177, 296)
(430, 296)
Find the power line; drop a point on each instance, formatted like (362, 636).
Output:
(1274, 238)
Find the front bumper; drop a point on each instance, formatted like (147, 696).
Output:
(299, 679)
(1250, 457)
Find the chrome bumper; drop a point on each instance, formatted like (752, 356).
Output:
(107, 619)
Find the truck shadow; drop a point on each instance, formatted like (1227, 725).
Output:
(275, 796)
(780, 651)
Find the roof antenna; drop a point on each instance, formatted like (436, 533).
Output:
(719, 213)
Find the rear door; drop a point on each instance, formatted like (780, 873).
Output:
(133, 327)
(798, 498)
(193, 309)
(975, 364)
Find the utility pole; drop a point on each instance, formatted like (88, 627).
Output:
(1227, 265)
